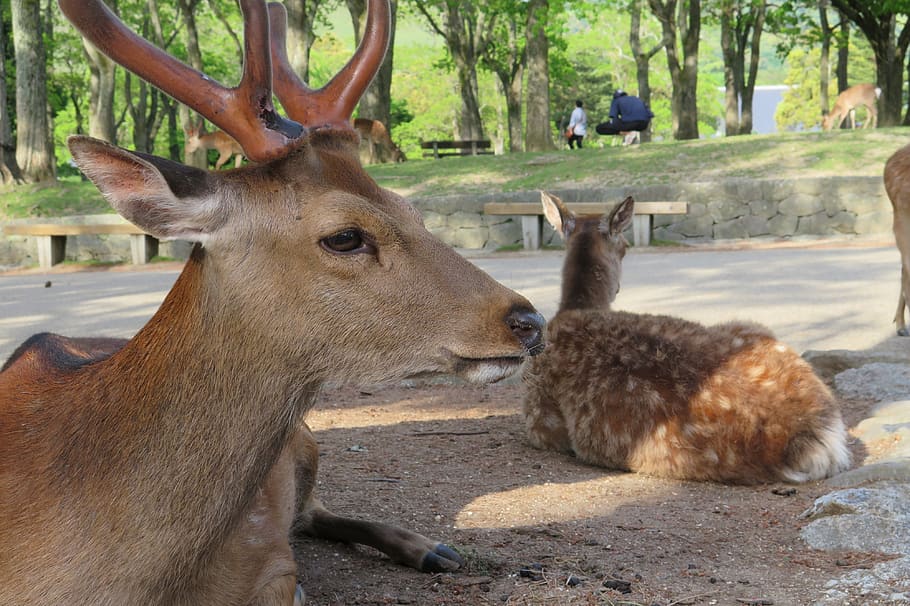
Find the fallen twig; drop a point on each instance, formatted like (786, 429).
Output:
(420, 434)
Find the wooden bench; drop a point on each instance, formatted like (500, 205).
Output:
(441, 149)
(531, 214)
(51, 238)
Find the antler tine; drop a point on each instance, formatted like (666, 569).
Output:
(334, 103)
(245, 112)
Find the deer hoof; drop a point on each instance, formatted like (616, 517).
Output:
(442, 559)
(903, 332)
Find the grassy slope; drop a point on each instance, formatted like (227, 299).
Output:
(784, 156)
(788, 155)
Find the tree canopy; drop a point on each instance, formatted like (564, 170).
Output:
(507, 70)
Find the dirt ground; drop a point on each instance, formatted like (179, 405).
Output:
(451, 462)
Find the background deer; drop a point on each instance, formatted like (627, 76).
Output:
(220, 141)
(664, 396)
(376, 146)
(897, 185)
(859, 95)
(170, 468)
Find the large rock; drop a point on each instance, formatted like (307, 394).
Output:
(869, 519)
(880, 381)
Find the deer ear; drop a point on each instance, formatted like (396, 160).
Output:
(558, 215)
(619, 219)
(165, 198)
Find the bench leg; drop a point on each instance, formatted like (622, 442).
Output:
(51, 250)
(531, 228)
(641, 229)
(143, 247)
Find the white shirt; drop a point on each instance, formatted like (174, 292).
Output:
(579, 122)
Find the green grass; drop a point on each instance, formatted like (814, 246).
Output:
(67, 197)
(779, 156)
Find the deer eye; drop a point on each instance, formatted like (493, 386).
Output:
(347, 242)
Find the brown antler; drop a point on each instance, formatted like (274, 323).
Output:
(245, 112)
(334, 103)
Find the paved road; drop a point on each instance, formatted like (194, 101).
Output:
(813, 298)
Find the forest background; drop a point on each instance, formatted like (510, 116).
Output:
(505, 70)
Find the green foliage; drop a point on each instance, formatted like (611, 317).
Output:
(589, 58)
(69, 196)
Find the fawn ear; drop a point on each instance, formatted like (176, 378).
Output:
(619, 219)
(558, 215)
(165, 198)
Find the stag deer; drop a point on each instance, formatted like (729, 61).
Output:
(897, 185)
(170, 468)
(664, 396)
(376, 146)
(859, 95)
(220, 141)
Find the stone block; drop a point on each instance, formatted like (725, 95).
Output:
(504, 234)
(801, 206)
(843, 222)
(464, 220)
(433, 219)
(469, 237)
(726, 210)
(814, 225)
(878, 222)
(763, 208)
(782, 225)
(731, 230)
(695, 227)
(756, 226)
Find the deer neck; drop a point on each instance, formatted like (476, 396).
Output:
(209, 416)
(590, 276)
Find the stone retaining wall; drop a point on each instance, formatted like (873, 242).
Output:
(718, 210)
(730, 209)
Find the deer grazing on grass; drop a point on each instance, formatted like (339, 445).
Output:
(376, 146)
(220, 141)
(664, 396)
(170, 469)
(897, 186)
(859, 95)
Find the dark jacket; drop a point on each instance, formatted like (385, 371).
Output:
(629, 109)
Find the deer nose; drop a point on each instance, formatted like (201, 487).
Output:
(527, 326)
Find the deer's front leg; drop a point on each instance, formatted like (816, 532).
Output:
(256, 561)
(313, 519)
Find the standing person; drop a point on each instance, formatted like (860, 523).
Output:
(578, 125)
(627, 113)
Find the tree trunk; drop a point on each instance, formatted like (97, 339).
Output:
(102, 80)
(376, 102)
(843, 54)
(465, 47)
(753, 27)
(539, 131)
(824, 65)
(9, 168)
(34, 150)
(198, 158)
(728, 51)
(642, 59)
(301, 17)
(681, 22)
